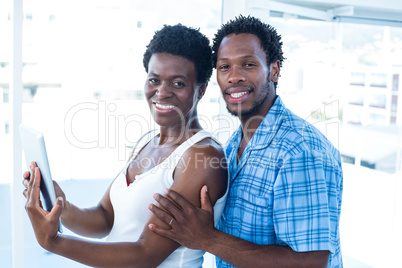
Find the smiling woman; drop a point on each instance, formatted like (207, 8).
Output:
(172, 91)
(87, 55)
(173, 88)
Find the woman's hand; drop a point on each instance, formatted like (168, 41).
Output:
(27, 177)
(44, 223)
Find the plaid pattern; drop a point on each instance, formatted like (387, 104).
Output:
(287, 187)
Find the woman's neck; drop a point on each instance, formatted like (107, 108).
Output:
(173, 135)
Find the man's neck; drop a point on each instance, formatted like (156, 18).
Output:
(251, 123)
(249, 127)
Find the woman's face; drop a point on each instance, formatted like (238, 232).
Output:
(170, 88)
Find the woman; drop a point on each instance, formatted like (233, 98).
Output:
(180, 156)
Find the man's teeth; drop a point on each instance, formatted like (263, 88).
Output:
(238, 95)
(165, 107)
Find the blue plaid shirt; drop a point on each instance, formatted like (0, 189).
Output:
(287, 187)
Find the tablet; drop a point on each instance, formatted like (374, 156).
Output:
(33, 144)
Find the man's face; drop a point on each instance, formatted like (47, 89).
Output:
(243, 75)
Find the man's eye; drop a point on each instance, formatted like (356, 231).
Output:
(249, 65)
(178, 84)
(224, 67)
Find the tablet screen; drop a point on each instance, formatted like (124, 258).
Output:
(33, 144)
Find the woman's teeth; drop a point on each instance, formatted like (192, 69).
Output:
(165, 107)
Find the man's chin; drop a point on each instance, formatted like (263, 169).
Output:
(241, 113)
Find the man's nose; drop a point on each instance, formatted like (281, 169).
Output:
(236, 75)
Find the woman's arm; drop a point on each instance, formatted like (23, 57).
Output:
(99, 254)
(91, 222)
(151, 249)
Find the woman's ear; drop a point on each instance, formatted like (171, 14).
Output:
(201, 91)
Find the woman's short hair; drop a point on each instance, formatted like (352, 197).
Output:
(186, 42)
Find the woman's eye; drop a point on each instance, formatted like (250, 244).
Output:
(153, 80)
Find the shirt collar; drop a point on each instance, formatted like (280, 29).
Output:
(264, 134)
(269, 126)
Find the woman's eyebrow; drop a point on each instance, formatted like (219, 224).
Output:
(153, 74)
(183, 77)
(180, 76)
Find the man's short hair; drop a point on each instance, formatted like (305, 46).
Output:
(270, 40)
(185, 42)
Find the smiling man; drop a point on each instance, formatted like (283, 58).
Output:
(284, 203)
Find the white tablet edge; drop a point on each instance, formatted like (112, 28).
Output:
(33, 144)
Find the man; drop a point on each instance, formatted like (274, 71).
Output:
(284, 200)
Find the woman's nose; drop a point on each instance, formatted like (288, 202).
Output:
(164, 90)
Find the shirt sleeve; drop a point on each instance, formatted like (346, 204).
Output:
(306, 202)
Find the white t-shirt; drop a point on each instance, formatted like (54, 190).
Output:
(130, 203)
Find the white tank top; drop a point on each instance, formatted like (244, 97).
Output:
(130, 203)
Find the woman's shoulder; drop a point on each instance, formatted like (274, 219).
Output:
(207, 157)
(207, 147)
(204, 163)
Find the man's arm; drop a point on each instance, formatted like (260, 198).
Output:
(194, 228)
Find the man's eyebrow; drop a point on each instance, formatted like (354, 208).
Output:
(242, 57)
(249, 56)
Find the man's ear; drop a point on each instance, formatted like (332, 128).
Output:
(275, 70)
(201, 91)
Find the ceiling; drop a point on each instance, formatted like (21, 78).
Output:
(377, 12)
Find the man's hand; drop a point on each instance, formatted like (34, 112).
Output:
(191, 227)
(44, 223)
